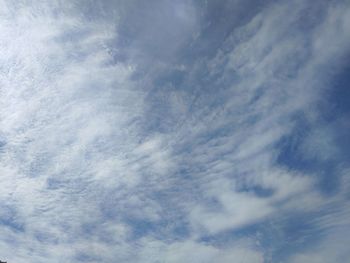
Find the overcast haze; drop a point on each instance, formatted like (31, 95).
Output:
(175, 131)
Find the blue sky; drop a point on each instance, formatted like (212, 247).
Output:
(174, 131)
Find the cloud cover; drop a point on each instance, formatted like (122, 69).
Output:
(173, 131)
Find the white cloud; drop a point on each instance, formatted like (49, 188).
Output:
(197, 252)
(84, 169)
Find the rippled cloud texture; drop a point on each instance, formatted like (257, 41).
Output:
(174, 131)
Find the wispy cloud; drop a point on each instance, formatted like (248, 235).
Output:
(128, 134)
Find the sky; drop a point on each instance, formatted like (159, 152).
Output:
(168, 131)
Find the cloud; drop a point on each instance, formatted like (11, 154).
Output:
(127, 133)
(195, 252)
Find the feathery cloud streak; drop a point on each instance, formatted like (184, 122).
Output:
(172, 131)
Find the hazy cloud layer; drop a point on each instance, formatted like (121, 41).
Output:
(174, 131)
